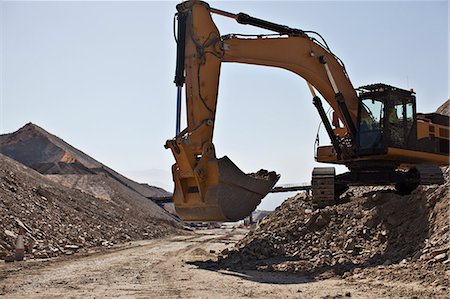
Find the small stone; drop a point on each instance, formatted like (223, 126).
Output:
(440, 257)
(212, 251)
(40, 255)
(322, 221)
(309, 220)
(10, 234)
(72, 246)
(350, 244)
(9, 259)
(376, 197)
(440, 251)
(348, 294)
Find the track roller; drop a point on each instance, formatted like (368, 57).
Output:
(430, 174)
(323, 186)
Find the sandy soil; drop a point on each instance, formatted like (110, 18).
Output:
(167, 268)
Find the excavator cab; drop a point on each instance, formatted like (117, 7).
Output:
(386, 118)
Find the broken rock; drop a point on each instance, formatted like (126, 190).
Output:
(349, 244)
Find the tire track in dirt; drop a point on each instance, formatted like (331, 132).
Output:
(166, 268)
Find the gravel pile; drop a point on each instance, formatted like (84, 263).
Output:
(48, 154)
(375, 228)
(444, 108)
(61, 220)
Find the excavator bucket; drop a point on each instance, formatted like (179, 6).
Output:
(227, 194)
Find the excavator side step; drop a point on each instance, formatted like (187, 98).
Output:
(323, 185)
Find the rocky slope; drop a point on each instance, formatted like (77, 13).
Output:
(444, 108)
(61, 220)
(48, 154)
(377, 233)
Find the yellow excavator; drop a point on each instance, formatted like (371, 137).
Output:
(375, 130)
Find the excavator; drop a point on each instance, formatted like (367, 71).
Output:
(375, 130)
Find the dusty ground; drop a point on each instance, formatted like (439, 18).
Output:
(167, 268)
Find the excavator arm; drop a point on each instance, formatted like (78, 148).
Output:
(304, 57)
(212, 189)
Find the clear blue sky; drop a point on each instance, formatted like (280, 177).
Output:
(99, 75)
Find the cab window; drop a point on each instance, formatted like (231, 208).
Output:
(371, 115)
(409, 114)
(371, 124)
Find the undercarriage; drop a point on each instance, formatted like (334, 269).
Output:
(328, 187)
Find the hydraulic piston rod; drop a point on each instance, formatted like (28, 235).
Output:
(318, 104)
(245, 19)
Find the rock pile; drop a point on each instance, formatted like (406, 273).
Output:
(374, 228)
(60, 220)
(48, 154)
(444, 108)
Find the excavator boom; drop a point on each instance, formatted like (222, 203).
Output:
(212, 189)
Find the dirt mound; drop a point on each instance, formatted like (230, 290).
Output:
(375, 229)
(60, 220)
(107, 188)
(36, 148)
(444, 108)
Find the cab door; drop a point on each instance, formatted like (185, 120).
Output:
(401, 121)
(371, 126)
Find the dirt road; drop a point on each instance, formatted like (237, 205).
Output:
(166, 268)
